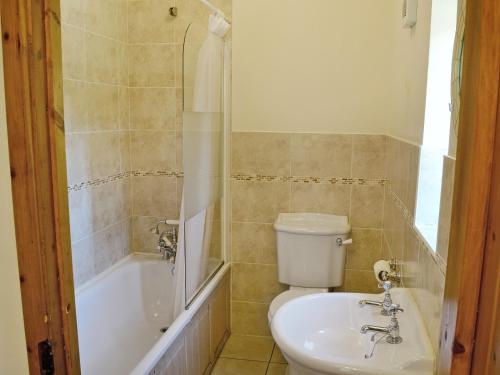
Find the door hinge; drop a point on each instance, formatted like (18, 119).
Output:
(46, 358)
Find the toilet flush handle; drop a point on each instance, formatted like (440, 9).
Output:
(342, 242)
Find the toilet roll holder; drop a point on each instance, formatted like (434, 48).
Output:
(393, 275)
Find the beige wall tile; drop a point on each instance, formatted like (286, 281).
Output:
(122, 67)
(102, 153)
(142, 238)
(429, 296)
(277, 369)
(101, 17)
(367, 204)
(154, 196)
(255, 282)
(75, 106)
(152, 150)
(102, 59)
(368, 156)
(73, 53)
(110, 245)
(153, 108)
(365, 250)
(253, 243)
(125, 151)
(194, 12)
(83, 261)
(179, 149)
(324, 198)
(248, 347)
(321, 155)
(357, 281)
(123, 108)
(277, 356)
(410, 259)
(260, 153)
(179, 98)
(445, 209)
(386, 250)
(80, 212)
(103, 107)
(108, 204)
(227, 366)
(249, 318)
(122, 28)
(152, 65)
(149, 21)
(92, 155)
(73, 12)
(259, 201)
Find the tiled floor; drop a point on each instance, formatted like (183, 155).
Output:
(250, 355)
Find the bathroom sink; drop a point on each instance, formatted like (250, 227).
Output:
(320, 334)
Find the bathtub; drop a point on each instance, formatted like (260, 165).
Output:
(123, 312)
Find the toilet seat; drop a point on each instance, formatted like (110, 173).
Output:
(286, 296)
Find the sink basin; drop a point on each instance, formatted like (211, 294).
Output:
(320, 334)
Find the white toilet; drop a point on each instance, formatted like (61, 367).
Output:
(311, 254)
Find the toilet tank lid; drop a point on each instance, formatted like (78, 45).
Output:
(312, 223)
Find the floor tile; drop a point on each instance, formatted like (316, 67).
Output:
(277, 356)
(253, 348)
(227, 366)
(276, 369)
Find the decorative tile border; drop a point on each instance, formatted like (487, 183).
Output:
(120, 176)
(309, 179)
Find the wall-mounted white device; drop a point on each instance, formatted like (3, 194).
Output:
(409, 13)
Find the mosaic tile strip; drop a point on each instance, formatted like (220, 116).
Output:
(120, 176)
(410, 221)
(310, 179)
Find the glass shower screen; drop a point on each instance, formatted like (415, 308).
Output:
(203, 154)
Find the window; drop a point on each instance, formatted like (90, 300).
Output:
(437, 118)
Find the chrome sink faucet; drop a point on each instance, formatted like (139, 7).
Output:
(386, 304)
(392, 330)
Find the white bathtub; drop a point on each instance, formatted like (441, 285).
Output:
(121, 312)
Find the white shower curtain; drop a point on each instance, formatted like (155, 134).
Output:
(203, 131)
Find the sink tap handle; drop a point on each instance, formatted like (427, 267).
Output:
(386, 285)
(395, 309)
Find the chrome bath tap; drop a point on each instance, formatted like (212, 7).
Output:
(167, 242)
(392, 330)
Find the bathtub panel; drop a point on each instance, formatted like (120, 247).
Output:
(207, 331)
(219, 319)
(198, 343)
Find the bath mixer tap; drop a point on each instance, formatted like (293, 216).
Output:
(167, 245)
(392, 330)
(167, 242)
(386, 304)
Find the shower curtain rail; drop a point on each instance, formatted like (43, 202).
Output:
(214, 9)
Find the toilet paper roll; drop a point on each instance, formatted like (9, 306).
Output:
(379, 267)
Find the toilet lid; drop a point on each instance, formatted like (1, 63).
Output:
(284, 297)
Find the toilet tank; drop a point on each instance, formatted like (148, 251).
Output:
(308, 251)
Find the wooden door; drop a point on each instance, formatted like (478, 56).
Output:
(33, 87)
(475, 212)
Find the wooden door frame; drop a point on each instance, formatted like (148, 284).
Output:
(33, 84)
(479, 125)
(31, 36)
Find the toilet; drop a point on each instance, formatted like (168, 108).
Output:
(311, 254)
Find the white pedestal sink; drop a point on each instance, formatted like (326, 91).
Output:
(320, 334)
